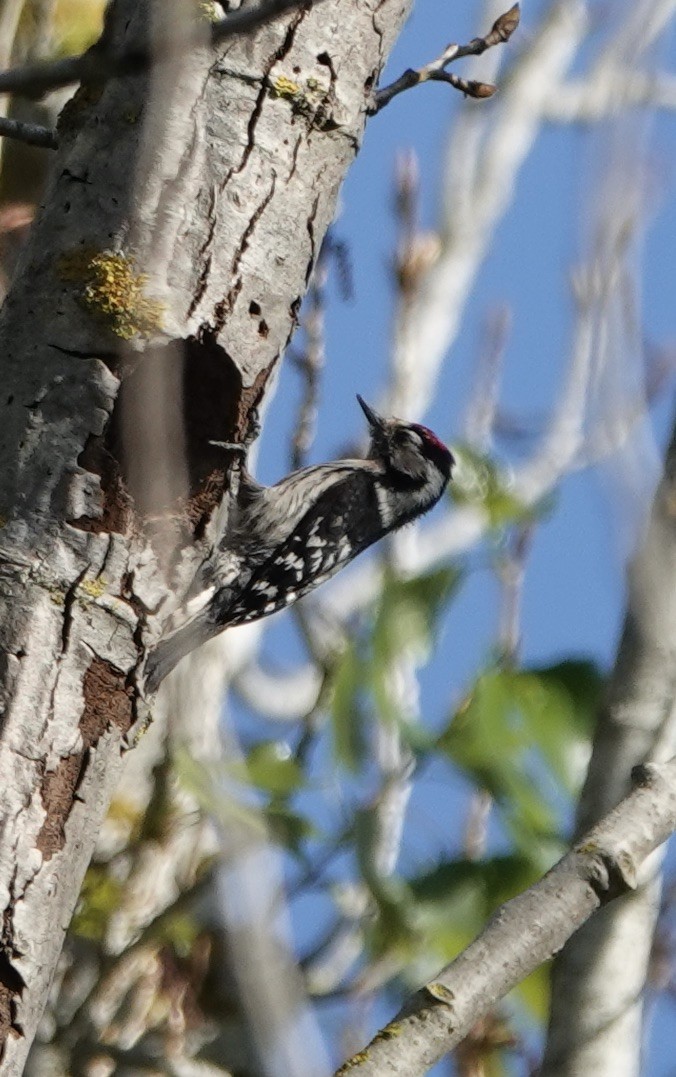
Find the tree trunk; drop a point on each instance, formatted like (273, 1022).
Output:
(216, 177)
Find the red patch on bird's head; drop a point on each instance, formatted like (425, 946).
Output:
(430, 436)
(442, 452)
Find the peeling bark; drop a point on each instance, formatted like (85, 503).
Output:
(220, 191)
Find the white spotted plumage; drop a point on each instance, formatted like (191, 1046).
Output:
(286, 539)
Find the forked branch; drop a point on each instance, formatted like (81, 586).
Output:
(435, 70)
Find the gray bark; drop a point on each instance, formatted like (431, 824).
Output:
(225, 208)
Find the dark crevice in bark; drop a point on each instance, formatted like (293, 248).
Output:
(69, 602)
(226, 305)
(116, 508)
(205, 256)
(294, 157)
(311, 233)
(11, 982)
(279, 54)
(107, 701)
(294, 313)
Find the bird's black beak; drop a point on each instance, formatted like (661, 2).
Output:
(374, 420)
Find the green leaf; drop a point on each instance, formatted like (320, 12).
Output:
(494, 880)
(405, 623)
(347, 718)
(208, 786)
(558, 705)
(482, 482)
(490, 741)
(534, 991)
(522, 735)
(100, 897)
(269, 767)
(408, 611)
(287, 827)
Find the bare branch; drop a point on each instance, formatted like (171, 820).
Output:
(33, 134)
(311, 362)
(483, 161)
(595, 99)
(435, 70)
(527, 930)
(98, 63)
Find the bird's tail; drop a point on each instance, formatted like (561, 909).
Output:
(171, 650)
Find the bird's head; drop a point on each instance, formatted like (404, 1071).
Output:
(408, 449)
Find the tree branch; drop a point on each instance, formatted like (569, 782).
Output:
(435, 70)
(33, 134)
(100, 62)
(526, 931)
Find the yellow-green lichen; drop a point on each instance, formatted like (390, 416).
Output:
(113, 291)
(93, 588)
(389, 1032)
(209, 11)
(588, 847)
(135, 735)
(286, 88)
(440, 992)
(356, 1060)
(309, 99)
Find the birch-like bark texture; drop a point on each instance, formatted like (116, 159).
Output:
(226, 213)
(597, 994)
(526, 931)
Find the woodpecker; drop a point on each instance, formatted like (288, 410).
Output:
(287, 539)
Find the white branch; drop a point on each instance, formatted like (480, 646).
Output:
(489, 146)
(526, 931)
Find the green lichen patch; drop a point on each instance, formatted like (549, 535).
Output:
(286, 88)
(389, 1032)
(308, 99)
(210, 11)
(113, 291)
(352, 1063)
(440, 992)
(93, 588)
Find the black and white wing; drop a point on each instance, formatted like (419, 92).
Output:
(343, 521)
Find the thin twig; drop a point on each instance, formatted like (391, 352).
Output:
(435, 70)
(33, 134)
(98, 64)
